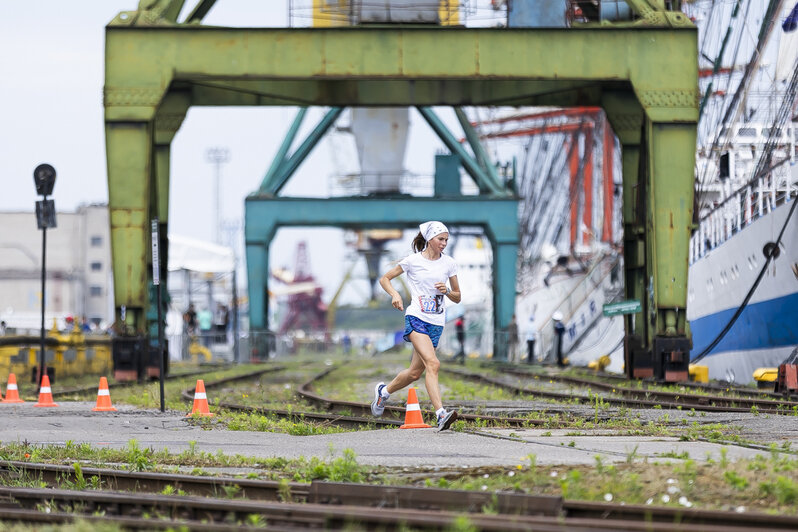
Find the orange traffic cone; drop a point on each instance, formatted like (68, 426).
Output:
(45, 394)
(413, 417)
(103, 398)
(200, 401)
(12, 393)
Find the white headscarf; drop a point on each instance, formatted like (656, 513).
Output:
(430, 230)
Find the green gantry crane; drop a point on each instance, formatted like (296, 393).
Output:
(643, 73)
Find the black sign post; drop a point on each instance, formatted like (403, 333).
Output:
(156, 280)
(44, 179)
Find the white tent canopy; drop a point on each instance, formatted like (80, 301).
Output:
(199, 256)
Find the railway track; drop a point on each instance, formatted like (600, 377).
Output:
(740, 398)
(76, 390)
(633, 397)
(330, 505)
(348, 414)
(708, 388)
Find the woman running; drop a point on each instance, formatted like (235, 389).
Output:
(427, 272)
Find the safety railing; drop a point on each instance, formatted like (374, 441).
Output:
(741, 208)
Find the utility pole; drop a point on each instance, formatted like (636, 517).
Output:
(217, 157)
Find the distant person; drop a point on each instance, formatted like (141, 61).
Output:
(531, 336)
(190, 319)
(428, 270)
(346, 343)
(2, 328)
(84, 325)
(512, 341)
(205, 320)
(459, 326)
(559, 329)
(221, 321)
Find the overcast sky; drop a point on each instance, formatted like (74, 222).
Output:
(52, 67)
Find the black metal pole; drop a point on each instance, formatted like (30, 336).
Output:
(156, 281)
(42, 367)
(160, 348)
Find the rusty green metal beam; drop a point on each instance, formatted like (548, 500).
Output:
(282, 151)
(484, 180)
(276, 179)
(427, 93)
(660, 64)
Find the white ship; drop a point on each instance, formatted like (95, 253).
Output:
(728, 254)
(742, 307)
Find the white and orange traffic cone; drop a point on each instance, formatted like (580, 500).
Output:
(103, 398)
(45, 393)
(413, 417)
(12, 392)
(200, 401)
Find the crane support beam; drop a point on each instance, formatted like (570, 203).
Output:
(486, 181)
(282, 151)
(276, 179)
(644, 75)
(401, 67)
(264, 215)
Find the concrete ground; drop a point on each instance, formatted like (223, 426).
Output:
(387, 447)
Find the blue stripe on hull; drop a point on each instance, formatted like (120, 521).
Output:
(772, 323)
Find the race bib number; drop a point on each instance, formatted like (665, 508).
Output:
(431, 304)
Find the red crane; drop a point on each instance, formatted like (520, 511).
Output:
(306, 310)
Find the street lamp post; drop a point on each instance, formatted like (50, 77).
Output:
(217, 157)
(44, 179)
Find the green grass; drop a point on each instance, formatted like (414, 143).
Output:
(340, 468)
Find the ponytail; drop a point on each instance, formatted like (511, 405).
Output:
(419, 243)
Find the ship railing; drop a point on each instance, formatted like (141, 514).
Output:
(603, 272)
(741, 208)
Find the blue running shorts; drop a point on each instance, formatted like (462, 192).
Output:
(414, 324)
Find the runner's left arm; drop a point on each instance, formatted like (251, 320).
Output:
(453, 293)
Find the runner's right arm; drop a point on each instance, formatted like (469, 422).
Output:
(385, 283)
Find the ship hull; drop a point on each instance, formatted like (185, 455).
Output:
(767, 329)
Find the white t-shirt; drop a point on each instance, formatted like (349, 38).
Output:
(427, 303)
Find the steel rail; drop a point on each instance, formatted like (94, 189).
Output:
(122, 480)
(604, 376)
(339, 505)
(37, 517)
(704, 387)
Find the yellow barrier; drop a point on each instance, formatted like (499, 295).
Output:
(195, 350)
(698, 373)
(71, 353)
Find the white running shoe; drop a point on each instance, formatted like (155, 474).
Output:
(378, 405)
(445, 420)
